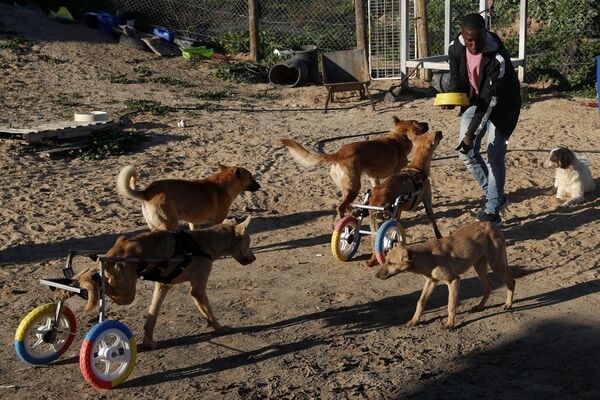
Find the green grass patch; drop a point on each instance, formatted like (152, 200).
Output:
(171, 81)
(151, 106)
(17, 45)
(143, 71)
(125, 80)
(243, 72)
(72, 100)
(209, 95)
(50, 59)
(267, 95)
(109, 143)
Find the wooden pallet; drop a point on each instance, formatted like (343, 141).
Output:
(57, 130)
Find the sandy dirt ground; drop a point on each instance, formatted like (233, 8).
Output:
(303, 325)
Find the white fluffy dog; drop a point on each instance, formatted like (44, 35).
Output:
(573, 176)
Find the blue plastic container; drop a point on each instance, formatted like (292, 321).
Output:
(164, 33)
(106, 22)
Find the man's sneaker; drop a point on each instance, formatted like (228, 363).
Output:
(504, 204)
(493, 218)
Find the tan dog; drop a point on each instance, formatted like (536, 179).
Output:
(479, 244)
(204, 244)
(412, 179)
(378, 158)
(201, 201)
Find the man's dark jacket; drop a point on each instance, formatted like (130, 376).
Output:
(499, 98)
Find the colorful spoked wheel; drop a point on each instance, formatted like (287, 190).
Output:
(37, 342)
(389, 234)
(345, 238)
(107, 355)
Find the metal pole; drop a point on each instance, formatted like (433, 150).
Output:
(447, 21)
(404, 43)
(522, 38)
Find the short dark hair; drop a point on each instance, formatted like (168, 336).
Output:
(473, 22)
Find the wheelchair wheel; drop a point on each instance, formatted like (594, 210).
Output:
(389, 234)
(36, 342)
(345, 238)
(107, 355)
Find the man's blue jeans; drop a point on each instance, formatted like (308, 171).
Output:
(490, 175)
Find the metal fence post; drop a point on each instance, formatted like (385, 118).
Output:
(253, 29)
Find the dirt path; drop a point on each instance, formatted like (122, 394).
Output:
(304, 325)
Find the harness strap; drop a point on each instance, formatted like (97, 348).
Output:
(418, 178)
(185, 248)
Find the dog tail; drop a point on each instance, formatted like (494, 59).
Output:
(86, 281)
(126, 183)
(305, 157)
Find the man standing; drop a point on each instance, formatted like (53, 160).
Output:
(481, 68)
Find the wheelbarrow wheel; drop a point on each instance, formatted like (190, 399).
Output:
(35, 340)
(389, 234)
(345, 238)
(108, 355)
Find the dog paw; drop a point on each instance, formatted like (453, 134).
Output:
(448, 326)
(507, 307)
(476, 308)
(371, 263)
(149, 344)
(412, 323)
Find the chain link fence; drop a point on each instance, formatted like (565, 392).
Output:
(327, 24)
(563, 35)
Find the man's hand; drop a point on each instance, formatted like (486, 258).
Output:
(465, 146)
(447, 107)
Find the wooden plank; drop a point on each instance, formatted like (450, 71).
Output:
(66, 132)
(49, 126)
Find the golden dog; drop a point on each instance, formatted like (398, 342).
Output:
(378, 158)
(479, 244)
(412, 179)
(205, 245)
(201, 201)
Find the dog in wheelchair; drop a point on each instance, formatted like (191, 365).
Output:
(198, 248)
(412, 180)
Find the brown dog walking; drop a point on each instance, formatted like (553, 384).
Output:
(377, 158)
(443, 260)
(202, 201)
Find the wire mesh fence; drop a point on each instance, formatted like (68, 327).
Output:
(563, 35)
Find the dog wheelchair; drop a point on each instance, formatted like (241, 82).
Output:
(347, 233)
(108, 352)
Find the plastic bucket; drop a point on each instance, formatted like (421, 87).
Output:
(289, 73)
(164, 33)
(441, 81)
(309, 54)
(106, 22)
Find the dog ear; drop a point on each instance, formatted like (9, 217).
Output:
(565, 158)
(438, 137)
(244, 225)
(222, 167)
(396, 120)
(237, 172)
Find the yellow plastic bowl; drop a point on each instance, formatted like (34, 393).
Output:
(451, 99)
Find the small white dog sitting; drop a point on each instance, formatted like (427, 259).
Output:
(573, 176)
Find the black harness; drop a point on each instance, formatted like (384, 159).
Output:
(418, 178)
(185, 247)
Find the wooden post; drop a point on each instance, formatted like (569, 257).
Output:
(422, 42)
(361, 33)
(522, 39)
(253, 29)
